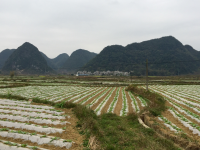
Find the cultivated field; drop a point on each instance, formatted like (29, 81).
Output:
(101, 99)
(24, 126)
(32, 126)
(183, 114)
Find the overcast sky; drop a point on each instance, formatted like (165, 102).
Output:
(63, 26)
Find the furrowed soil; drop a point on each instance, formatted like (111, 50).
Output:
(89, 96)
(100, 100)
(130, 107)
(71, 96)
(105, 108)
(73, 99)
(175, 121)
(139, 103)
(70, 133)
(91, 99)
(82, 98)
(118, 106)
(187, 117)
(192, 100)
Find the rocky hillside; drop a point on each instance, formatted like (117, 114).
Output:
(4, 56)
(77, 60)
(26, 59)
(159, 52)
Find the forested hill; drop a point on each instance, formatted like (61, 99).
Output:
(26, 59)
(132, 58)
(56, 62)
(60, 60)
(4, 56)
(77, 60)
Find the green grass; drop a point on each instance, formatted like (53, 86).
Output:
(156, 103)
(114, 132)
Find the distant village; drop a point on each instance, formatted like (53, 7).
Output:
(102, 73)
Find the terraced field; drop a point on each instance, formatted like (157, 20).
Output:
(183, 102)
(24, 126)
(101, 99)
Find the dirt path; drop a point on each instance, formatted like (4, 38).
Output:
(130, 107)
(118, 106)
(91, 99)
(105, 108)
(100, 100)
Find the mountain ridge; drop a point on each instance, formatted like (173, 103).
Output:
(26, 59)
(132, 58)
(4, 55)
(77, 59)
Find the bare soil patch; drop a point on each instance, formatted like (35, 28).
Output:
(105, 108)
(91, 99)
(100, 100)
(118, 106)
(130, 107)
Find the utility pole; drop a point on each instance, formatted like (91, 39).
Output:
(147, 74)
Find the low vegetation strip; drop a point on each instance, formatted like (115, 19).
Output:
(154, 102)
(115, 132)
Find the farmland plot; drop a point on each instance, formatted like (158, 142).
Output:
(101, 99)
(183, 102)
(26, 126)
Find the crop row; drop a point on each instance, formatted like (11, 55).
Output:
(23, 125)
(184, 105)
(94, 97)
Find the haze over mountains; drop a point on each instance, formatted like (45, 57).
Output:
(161, 52)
